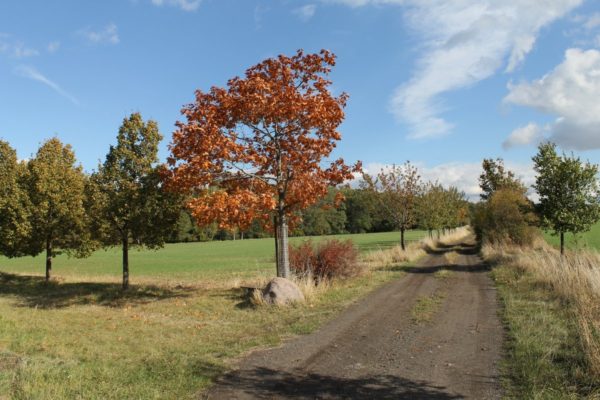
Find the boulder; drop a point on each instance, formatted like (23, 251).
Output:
(281, 291)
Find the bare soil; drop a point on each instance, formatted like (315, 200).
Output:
(380, 347)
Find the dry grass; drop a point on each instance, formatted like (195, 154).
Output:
(575, 278)
(414, 250)
(307, 285)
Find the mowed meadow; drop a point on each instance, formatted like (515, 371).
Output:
(587, 240)
(182, 323)
(189, 261)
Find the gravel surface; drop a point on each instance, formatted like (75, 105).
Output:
(379, 349)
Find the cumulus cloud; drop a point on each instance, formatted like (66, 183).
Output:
(464, 176)
(569, 92)
(306, 12)
(185, 5)
(524, 135)
(463, 42)
(32, 73)
(107, 35)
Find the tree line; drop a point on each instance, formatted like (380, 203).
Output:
(364, 207)
(48, 204)
(249, 158)
(568, 199)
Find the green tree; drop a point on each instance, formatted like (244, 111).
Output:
(506, 217)
(496, 176)
(58, 217)
(134, 207)
(399, 189)
(15, 207)
(326, 217)
(431, 207)
(360, 210)
(568, 192)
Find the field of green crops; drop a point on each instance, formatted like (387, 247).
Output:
(182, 323)
(185, 261)
(587, 240)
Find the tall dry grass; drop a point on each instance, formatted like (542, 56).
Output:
(414, 250)
(313, 288)
(575, 277)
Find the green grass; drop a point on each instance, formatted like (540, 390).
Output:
(81, 338)
(188, 261)
(544, 359)
(589, 239)
(426, 307)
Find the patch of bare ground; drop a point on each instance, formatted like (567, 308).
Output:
(377, 349)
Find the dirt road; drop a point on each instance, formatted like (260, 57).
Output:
(433, 334)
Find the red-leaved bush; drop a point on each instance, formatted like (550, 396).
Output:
(326, 260)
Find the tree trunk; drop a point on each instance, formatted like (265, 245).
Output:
(402, 239)
(48, 259)
(562, 243)
(125, 263)
(281, 246)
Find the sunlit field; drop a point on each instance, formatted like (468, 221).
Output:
(589, 240)
(188, 261)
(82, 337)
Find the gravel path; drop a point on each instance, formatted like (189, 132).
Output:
(424, 336)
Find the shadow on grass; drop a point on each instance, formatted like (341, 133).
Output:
(441, 249)
(266, 383)
(35, 292)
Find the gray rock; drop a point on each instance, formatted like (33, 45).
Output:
(281, 291)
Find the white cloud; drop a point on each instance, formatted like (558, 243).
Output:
(524, 135)
(15, 48)
(107, 35)
(464, 176)
(306, 12)
(463, 42)
(591, 21)
(32, 73)
(185, 5)
(53, 46)
(569, 92)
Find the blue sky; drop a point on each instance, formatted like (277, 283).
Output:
(441, 83)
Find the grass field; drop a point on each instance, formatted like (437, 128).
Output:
(82, 338)
(187, 261)
(590, 240)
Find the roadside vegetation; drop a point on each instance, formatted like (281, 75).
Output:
(551, 307)
(550, 297)
(78, 339)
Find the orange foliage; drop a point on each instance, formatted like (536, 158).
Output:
(255, 148)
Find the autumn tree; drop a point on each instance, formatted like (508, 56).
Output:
(399, 188)
(496, 176)
(15, 208)
(568, 192)
(58, 217)
(256, 149)
(506, 217)
(131, 204)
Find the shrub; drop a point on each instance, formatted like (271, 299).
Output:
(326, 260)
(506, 217)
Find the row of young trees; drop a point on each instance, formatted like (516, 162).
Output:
(347, 209)
(568, 191)
(48, 204)
(250, 155)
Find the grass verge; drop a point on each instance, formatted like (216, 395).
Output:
(546, 356)
(426, 307)
(163, 339)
